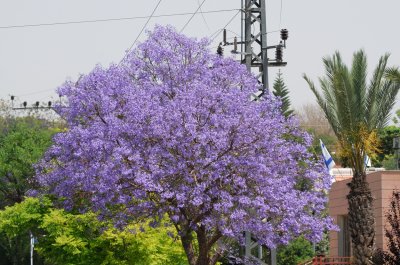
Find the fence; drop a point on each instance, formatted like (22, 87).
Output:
(322, 260)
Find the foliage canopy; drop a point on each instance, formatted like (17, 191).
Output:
(355, 108)
(82, 239)
(172, 130)
(22, 143)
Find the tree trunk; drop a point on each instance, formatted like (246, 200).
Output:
(187, 243)
(361, 219)
(204, 244)
(203, 258)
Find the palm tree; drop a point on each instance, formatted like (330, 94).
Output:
(356, 109)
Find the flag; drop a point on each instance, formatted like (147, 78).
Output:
(367, 161)
(327, 157)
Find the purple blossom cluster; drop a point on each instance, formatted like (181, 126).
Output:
(172, 130)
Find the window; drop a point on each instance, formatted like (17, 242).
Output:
(344, 236)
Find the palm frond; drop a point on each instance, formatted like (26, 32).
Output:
(372, 110)
(337, 80)
(328, 106)
(386, 98)
(354, 108)
(358, 85)
(393, 73)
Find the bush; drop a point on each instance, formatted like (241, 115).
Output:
(297, 251)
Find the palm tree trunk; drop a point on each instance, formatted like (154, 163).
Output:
(361, 219)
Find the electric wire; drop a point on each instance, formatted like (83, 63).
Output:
(113, 19)
(216, 32)
(34, 93)
(190, 19)
(202, 15)
(141, 31)
(280, 16)
(130, 18)
(231, 31)
(227, 24)
(219, 30)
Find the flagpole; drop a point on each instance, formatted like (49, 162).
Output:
(32, 244)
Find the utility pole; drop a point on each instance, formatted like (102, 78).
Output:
(256, 44)
(47, 110)
(254, 55)
(25, 105)
(36, 106)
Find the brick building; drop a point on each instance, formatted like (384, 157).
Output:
(382, 184)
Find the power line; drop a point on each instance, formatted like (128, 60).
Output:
(227, 24)
(219, 30)
(113, 19)
(190, 19)
(126, 18)
(231, 31)
(215, 33)
(37, 92)
(280, 15)
(140, 33)
(202, 15)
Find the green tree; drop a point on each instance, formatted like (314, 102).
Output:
(386, 157)
(82, 239)
(16, 223)
(356, 110)
(297, 251)
(280, 90)
(396, 118)
(22, 143)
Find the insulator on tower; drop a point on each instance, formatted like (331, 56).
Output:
(284, 34)
(278, 53)
(220, 50)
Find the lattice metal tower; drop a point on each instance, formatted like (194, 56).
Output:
(254, 54)
(255, 43)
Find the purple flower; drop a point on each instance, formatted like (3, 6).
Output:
(172, 131)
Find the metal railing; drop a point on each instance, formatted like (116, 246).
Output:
(322, 260)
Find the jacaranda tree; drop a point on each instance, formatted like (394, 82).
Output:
(172, 131)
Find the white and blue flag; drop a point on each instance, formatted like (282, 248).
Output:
(367, 161)
(327, 157)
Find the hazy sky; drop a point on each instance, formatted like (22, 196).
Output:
(35, 60)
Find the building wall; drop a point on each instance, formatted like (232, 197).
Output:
(382, 184)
